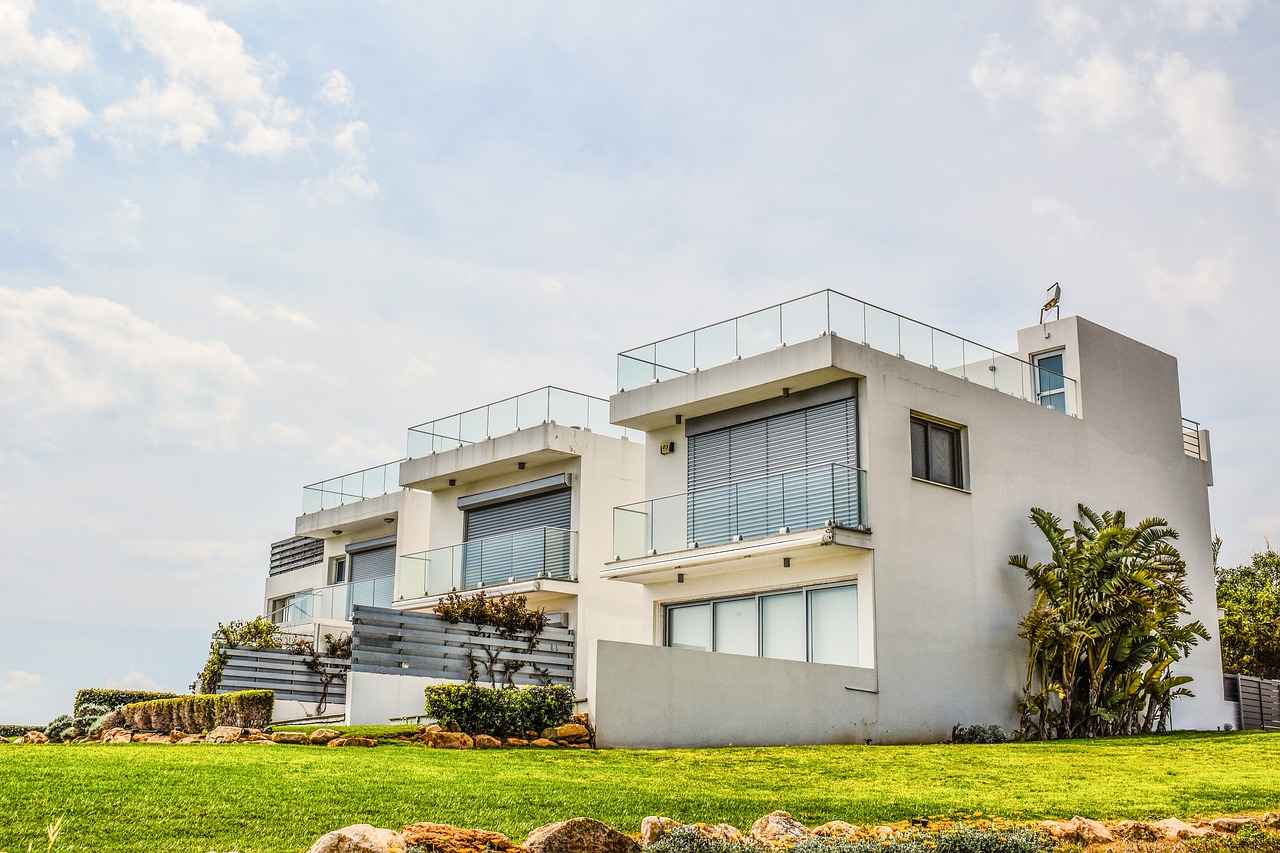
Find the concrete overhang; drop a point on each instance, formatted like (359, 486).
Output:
(534, 446)
(716, 559)
(807, 364)
(529, 587)
(358, 516)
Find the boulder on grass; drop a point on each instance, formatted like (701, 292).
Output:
(836, 829)
(486, 742)
(117, 736)
(1230, 825)
(359, 838)
(720, 832)
(34, 736)
(579, 835)
(1079, 829)
(654, 827)
(1174, 829)
(568, 733)
(320, 736)
(448, 740)
(290, 737)
(779, 828)
(443, 838)
(545, 743)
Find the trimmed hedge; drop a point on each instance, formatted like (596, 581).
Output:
(246, 709)
(10, 730)
(112, 699)
(501, 711)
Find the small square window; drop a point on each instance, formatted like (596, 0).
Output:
(935, 453)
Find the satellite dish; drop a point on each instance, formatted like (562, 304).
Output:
(1054, 293)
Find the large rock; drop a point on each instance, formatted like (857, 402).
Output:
(448, 740)
(1270, 820)
(290, 737)
(443, 838)
(34, 737)
(720, 832)
(117, 736)
(836, 829)
(1079, 829)
(487, 742)
(1173, 829)
(544, 743)
(515, 741)
(779, 828)
(580, 835)
(1230, 825)
(359, 838)
(1136, 830)
(568, 733)
(320, 736)
(654, 827)
(224, 734)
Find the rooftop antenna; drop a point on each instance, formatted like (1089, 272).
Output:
(1054, 293)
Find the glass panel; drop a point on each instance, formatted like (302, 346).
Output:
(735, 627)
(916, 340)
(569, 408)
(412, 574)
(631, 531)
(689, 627)
(804, 319)
(633, 373)
(473, 426)
(419, 444)
(502, 417)
(1057, 402)
(676, 353)
(948, 353)
(312, 500)
(716, 344)
(782, 626)
(1012, 376)
(759, 332)
(942, 458)
(352, 487)
(669, 519)
(532, 409)
(1050, 373)
(979, 364)
(882, 330)
(833, 625)
(848, 318)
(919, 450)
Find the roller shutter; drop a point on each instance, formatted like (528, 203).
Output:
(547, 510)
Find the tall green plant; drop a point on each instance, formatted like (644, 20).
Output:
(257, 633)
(1104, 629)
(1249, 596)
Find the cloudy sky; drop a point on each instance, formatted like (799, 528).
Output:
(243, 246)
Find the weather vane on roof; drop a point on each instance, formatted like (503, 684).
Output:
(1054, 293)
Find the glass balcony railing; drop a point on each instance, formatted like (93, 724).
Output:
(830, 313)
(804, 499)
(333, 602)
(350, 488)
(543, 406)
(540, 552)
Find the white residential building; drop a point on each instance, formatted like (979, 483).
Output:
(805, 538)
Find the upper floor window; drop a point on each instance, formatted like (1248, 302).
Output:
(1051, 387)
(936, 453)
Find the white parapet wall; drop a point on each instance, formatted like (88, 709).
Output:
(374, 699)
(654, 697)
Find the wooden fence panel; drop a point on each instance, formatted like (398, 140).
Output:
(1259, 702)
(399, 642)
(285, 673)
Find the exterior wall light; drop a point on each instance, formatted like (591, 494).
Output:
(667, 448)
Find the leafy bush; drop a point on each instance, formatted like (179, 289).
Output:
(687, 839)
(959, 839)
(60, 729)
(111, 699)
(247, 709)
(258, 633)
(505, 711)
(979, 734)
(110, 720)
(11, 730)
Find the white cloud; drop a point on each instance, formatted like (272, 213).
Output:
(1195, 15)
(18, 681)
(1100, 95)
(207, 67)
(229, 306)
(51, 118)
(337, 90)
(1050, 207)
(348, 177)
(134, 680)
(294, 316)
(1069, 23)
(997, 76)
(174, 114)
(128, 213)
(19, 45)
(1202, 286)
(61, 352)
(1211, 131)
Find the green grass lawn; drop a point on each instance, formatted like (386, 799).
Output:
(255, 799)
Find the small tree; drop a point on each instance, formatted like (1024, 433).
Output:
(1104, 628)
(1249, 596)
(510, 617)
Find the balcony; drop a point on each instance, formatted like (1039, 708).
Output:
(351, 488)
(830, 313)
(333, 603)
(549, 405)
(806, 499)
(536, 554)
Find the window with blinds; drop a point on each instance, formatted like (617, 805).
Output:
(518, 539)
(795, 470)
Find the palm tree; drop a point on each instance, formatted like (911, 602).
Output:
(1103, 629)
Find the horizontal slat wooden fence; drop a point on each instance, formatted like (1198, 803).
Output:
(398, 642)
(285, 673)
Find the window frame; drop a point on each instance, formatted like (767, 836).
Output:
(1043, 395)
(957, 443)
(759, 598)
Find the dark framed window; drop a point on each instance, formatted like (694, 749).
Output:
(935, 453)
